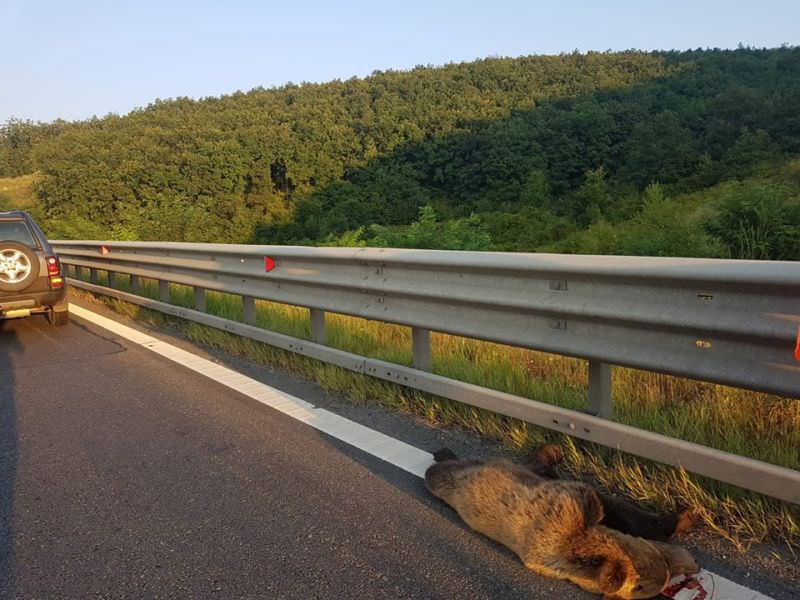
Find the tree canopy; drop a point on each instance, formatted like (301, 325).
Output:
(621, 152)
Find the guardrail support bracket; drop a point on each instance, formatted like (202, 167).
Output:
(600, 389)
(317, 325)
(249, 305)
(163, 290)
(421, 348)
(200, 299)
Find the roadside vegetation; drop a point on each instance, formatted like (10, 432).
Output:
(742, 422)
(650, 153)
(693, 153)
(16, 193)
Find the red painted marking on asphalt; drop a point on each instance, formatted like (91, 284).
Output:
(691, 584)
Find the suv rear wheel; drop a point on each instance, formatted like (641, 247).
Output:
(19, 266)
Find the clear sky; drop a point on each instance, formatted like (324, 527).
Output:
(77, 58)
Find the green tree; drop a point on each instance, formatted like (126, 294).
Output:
(665, 228)
(759, 221)
(536, 151)
(594, 198)
(536, 189)
(660, 149)
(429, 232)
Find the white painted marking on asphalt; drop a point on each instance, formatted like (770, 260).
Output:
(704, 586)
(137, 337)
(711, 587)
(373, 442)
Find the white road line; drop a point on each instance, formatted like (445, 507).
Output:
(706, 585)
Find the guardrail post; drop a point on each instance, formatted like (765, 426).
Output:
(249, 305)
(136, 284)
(77, 272)
(92, 275)
(421, 348)
(600, 389)
(317, 325)
(163, 290)
(111, 279)
(200, 299)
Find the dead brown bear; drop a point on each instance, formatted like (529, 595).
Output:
(553, 527)
(618, 513)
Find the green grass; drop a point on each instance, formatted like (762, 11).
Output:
(16, 193)
(756, 425)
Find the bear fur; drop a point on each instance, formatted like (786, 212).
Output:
(553, 526)
(618, 513)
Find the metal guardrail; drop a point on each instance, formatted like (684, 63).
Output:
(724, 321)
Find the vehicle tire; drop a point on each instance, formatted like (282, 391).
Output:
(19, 266)
(58, 318)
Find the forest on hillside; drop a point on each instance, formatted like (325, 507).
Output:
(692, 153)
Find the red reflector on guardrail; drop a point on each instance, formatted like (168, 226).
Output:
(797, 347)
(269, 263)
(104, 250)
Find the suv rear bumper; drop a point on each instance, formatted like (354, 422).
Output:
(35, 301)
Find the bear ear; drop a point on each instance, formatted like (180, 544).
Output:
(591, 506)
(549, 455)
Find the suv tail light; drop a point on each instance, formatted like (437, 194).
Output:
(54, 271)
(53, 265)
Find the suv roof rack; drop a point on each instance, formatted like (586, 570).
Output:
(13, 213)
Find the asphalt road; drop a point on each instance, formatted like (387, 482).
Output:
(123, 475)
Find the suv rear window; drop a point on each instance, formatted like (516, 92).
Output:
(16, 231)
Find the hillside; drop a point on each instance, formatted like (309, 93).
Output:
(686, 153)
(17, 192)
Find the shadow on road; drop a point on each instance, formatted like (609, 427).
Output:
(8, 452)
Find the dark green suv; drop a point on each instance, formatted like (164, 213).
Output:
(31, 280)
